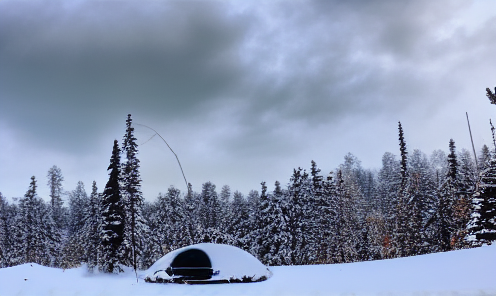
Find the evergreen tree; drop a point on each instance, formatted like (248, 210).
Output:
(439, 166)
(191, 213)
(404, 157)
(388, 182)
(274, 237)
(421, 204)
(170, 228)
(112, 212)
(135, 226)
(482, 224)
(33, 229)
(55, 180)
(299, 217)
(401, 229)
(91, 229)
(348, 230)
(466, 181)
(209, 207)
(239, 228)
(225, 213)
(484, 160)
(448, 194)
(326, 221)
(6, 238)
(73, 251)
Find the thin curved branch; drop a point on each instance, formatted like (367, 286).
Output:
(170, 150)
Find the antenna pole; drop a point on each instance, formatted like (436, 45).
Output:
(170, 150)
(473, 147)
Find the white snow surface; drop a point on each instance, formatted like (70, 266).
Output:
(463, 272)
(231, 262)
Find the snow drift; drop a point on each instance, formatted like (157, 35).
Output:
(457, 273)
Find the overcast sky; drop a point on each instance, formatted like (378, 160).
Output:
(243, 92)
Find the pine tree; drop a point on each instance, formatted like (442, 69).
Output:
(191, 213)
(326, 221)
(170, 228)
(348, 230)
(225, 213)
(482, 224)
(448, 194)
(33, 229)
(91, 229)
(55, 180)
(209, 207)
(135, 226)
(299, 217)
(73, 251)
(388, 182)
(274, 237)
(401, 229)
(239, 228)
(112, 229)
(5, 233)
(466, 181)
(484, 160)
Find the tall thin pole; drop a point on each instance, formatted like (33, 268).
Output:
(472, 140)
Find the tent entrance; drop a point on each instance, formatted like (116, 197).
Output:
(192, 264)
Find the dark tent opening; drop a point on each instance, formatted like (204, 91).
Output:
(192, 264)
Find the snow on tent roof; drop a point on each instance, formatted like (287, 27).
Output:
(206, 263)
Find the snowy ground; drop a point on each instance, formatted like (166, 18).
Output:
(464, 272)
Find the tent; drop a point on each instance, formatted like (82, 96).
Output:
(207, 263)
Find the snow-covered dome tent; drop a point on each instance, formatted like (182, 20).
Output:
(207, 263)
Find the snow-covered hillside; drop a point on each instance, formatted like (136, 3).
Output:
(464, 272)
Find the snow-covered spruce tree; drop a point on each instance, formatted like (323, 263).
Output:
(209, 207)
(401, 229)
(274, 237)
(484, 160)
(353, 177)
(439, 166)
(348, 233)
(153, 250)
(135, 227)
(388, 182)
(253, 203)
(191, 212)
(321, 227)
(447, 195)
(466, 178)
(55, 180)
(73, 253)
(260, 230)
(91, 229)
(422, 203)
(225, 213)
(170, 229)
(5, 233)
(326, 223)
(299, 217)
(482, 225)
(112, 213)
(239, 226)
(33, 229)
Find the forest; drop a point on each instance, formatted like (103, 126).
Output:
(415, 204)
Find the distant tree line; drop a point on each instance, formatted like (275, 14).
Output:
(413, 205)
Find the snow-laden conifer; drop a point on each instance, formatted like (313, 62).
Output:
(112, 213)
(135, 227)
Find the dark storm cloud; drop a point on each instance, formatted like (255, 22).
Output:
(63, 63)
(235, 82)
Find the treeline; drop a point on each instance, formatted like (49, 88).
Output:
(413, 205)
